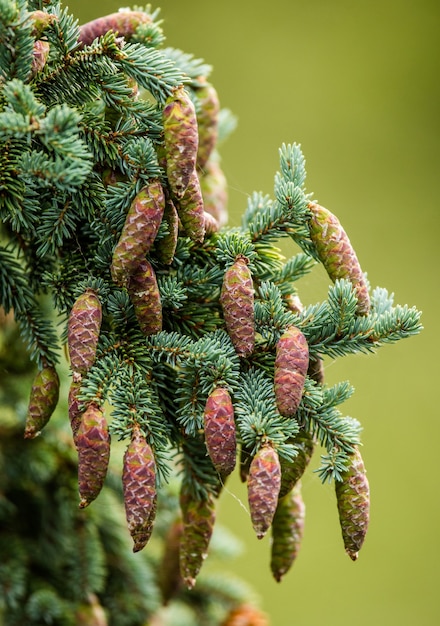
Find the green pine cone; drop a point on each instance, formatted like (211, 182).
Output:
(291, 363)
(291, 471)
(75, 408)
(207, 122)
(139, 232)
(287, 532)
(124, 23)
(214, 189)
(139, 485)
(93, 444)
(144, 294)
(166, 247)
(170, 579)
(83, 330)
(191, 210)
(263, 485)
(353, 500)
(337, 254)
(237, 302)
(181, 140)
(219, 426)
(43, 401)
(198, 518)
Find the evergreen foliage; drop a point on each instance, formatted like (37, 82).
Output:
(82, 136)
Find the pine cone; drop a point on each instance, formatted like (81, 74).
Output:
(139, 232)
(83, 331)
(181, 140)
(191, 211)
(237, 302)
(287, 532)
(166, 248)
(291, 471)
(198, 518)
(144, 294)
(93, 445)
(337, 254)
(291, 363)
(207, 122)
(220, 434)
(139, 484)
(43, 401)
(124, 23)
(214, 189)
(263, 486)
(353, 499)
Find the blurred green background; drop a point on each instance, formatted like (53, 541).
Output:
(357, 84)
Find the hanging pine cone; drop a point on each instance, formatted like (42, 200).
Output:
(353, 499)
(83, 330)
(43, 400)
(191, 211)
(145, 297)
(219, 428)
(214, 189)
(245, 615)
(139, 232)
(170, 579)
(124, 23)
(263, 487)
(139, 485)
(337, 254)
(181, 140)
(291, 471)
(287, 532)
(75, 408)
(207, 122)
(291, 363)
(166, 247)
(237, 302)
(93, 445)
(198, 517)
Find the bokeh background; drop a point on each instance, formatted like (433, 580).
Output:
(357, 84)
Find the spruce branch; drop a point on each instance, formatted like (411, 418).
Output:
(108, 154)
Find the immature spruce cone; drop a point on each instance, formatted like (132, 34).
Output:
(43, 400)
(144, 294)
(214, 189)
(124, 23)
(237, 302)
(139, 484)
(190, 209)
(170, 579)
(287, 532)
(291, 363)
(219, 426)
(291, 471)
(263, 487)
(353, 499)
(207, 122)
(75, 408)
(198, 523)
(166, 248)
(139, 232)
(83, 331)
(181, 140)
(337, 254)
(93, 445)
